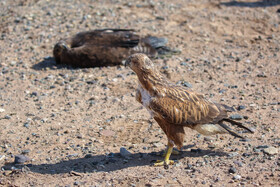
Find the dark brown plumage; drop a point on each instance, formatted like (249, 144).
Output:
(175, 107)
(107, 47)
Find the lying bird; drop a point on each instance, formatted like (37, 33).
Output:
(175, 107)
(107, 47)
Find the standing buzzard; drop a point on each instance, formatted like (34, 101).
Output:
(175, 107)
(107, 47)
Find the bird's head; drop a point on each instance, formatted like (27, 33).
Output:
(139, 62)
(58, 49)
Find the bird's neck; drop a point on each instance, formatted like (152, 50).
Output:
(150, 80)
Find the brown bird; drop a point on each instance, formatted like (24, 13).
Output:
(107, 47)
(175, 107)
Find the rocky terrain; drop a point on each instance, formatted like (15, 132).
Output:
(61, 126)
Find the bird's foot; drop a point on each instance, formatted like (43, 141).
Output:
(174, 152)
(163, 163)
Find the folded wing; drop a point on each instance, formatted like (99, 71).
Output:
(184, 107)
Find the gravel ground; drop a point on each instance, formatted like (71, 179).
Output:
(82, 127)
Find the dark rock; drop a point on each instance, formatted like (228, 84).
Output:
(189, 166)
(261, 75)
(246, 155)
(245, 140)
(26, 151)
(222, 91)
(196, 150)
(187, 84)
(7, 117)
(232, 170)
(88, 155)
(262, 147)
(26, 125)
(20, 159)
(76, 183)
(236, 117)
(241, 107)
(183, 63)
(164, 67)
(124, 153)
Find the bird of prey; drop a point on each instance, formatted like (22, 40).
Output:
(106, 47)
(175, 107)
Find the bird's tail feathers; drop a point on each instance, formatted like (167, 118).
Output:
(230, 131)
(238, 124)
(228, 108)
(146, 49)
(155, 42)
(159, 44)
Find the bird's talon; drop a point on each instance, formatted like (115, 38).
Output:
(163, 163)
(158, 161)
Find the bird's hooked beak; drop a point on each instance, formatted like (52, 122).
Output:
(127, 62)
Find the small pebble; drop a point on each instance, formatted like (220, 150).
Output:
(208, 139)
(2, 157)
(26, 151)
(232, 170)
(211, 146)
(7, 117)
(187, 84)
(240, 164)
(76, 183)
(236, 177)
(233, 154)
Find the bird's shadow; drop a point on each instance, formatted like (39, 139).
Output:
(49, 62)
(256, 4)
(107, 163)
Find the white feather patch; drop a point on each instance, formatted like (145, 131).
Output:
(146, 99)
(209, 129)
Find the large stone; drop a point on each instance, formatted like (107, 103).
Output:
(124, 153)
(271, 150)
(20, 159)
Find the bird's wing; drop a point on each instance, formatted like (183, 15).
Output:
(184, 107)
(107, 37)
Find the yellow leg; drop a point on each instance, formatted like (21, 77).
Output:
(174, 152)
(166, 159)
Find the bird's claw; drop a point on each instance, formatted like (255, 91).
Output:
(163, 163)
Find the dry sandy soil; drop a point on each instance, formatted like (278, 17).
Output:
(71, 123)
